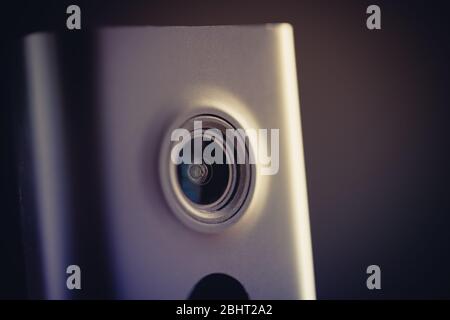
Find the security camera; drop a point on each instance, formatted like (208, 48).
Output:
(166, 160)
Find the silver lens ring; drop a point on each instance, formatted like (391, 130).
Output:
(234, 181)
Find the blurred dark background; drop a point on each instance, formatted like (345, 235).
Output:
(375, 111)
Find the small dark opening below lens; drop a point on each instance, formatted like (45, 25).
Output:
(218, 286)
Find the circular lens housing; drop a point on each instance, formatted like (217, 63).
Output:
(213, 190)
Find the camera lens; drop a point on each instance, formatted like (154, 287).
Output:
(202, 183)
(208, 191)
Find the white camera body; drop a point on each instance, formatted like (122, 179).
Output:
(148, 81)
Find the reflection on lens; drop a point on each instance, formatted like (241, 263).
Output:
(199, 173)
(203, 183)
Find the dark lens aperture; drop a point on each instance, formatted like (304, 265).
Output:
(203, 183)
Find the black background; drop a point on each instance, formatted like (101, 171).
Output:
(375, 114)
